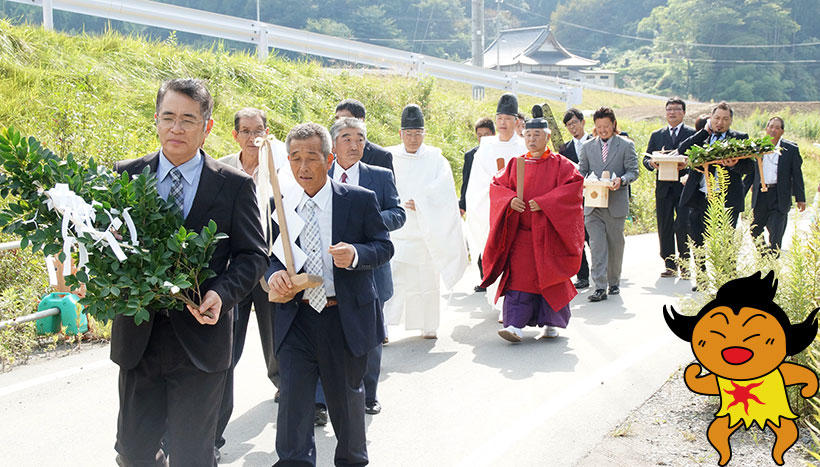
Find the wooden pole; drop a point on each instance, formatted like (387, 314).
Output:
(763, 186)
(280, 210)
(519, 183)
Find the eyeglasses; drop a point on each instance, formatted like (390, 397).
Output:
(255, 133)
(674, 109)
(186, 124)
(414, 133)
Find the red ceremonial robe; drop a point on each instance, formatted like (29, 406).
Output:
(536, 252)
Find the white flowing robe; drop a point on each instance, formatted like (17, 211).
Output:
(430, 242)
(483, 170)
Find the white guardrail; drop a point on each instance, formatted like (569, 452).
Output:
(265, 35)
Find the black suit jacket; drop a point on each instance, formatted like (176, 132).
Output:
(735, 194)
(465, 176)
(377, 155)
(356, 220)
(661, 140)
(789, 178)
(381, 182)
(228, 197)
(568, 149)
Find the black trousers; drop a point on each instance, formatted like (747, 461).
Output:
(673, 227)
(767, 215)
(583, 272)
(264, 318)
(315, 347)
(167, 394)
(697, 218)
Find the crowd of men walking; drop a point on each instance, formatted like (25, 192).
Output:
(382, 229)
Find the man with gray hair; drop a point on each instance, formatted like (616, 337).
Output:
(173, 366)
(326, 331)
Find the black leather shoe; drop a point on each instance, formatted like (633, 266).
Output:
(600, 294)
(276, 397)
(372, 407)
(614, 290)
(479, 288)
(581, 284)
(320, 416)
(694, 288)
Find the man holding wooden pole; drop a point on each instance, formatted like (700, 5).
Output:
(536, 236)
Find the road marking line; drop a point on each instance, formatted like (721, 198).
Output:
(11, 389)
(494, 448)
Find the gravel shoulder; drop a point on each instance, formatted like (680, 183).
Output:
(670, 429)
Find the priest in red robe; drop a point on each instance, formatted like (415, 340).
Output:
(535, 242)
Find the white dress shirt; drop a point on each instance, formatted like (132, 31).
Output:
(324, 216)
(770, 162)
(578, 142)
(713, 138)
(352, 173)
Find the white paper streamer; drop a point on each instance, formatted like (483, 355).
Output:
(51, 268)
(78, 216)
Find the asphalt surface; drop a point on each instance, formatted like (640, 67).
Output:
(468, 398)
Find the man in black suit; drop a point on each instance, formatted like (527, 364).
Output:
(173, 367)
(783, 176)
(693, 195)
(574, 123)
(373, 153)
(483, 127)
(673, 223)
(327, 331)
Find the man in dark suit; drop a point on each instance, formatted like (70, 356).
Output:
(574, 123)
(173, 367)
(373, 153)
(673, 223)
(349, 136)
(783, 176)
(483, 127)
(693, 195)
(326, 331)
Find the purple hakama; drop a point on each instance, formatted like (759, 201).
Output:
(528, 309)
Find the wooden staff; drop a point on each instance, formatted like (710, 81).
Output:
(763, 186)
(499, 163)
(519, 182)
(300, 281)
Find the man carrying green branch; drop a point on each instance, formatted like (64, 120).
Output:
(173, 366)
(694, 194)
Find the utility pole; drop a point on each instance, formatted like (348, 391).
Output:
(477, 11)
(48, 15)
(498, 4)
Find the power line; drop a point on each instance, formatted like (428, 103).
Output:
(692, 44)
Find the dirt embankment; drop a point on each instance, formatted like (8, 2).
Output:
(742, 109)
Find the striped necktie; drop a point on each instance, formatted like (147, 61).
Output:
(309, 240)
(604, 150)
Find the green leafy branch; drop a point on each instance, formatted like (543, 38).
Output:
(168, 264)
(729, 149)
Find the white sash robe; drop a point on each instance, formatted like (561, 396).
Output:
(430, 246)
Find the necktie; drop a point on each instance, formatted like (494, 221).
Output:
(309, 239)
(673, 132)
(344, 177)
(604, 150)
(176, 189)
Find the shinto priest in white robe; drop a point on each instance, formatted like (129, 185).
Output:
(430, 246)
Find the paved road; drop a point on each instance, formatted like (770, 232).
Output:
(466, 399)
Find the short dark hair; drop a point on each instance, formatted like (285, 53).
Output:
(484, 122)
(193, 88)
(676, 100)
(700, 122)
(604, 112)
(782, 123)
(573, 112)
(249, 112)
(724, 106)
(308, 130)
(353, 106)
